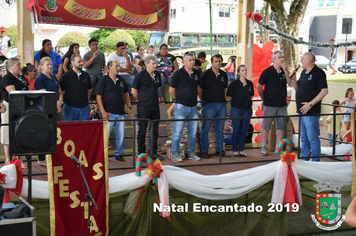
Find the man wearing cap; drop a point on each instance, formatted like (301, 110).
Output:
(124, 61)
(5, 44)
(128, 52)
(333, 57)
(111, 96)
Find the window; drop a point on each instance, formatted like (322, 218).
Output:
(174, 41)
(190, 40)
(226, 40)
(173, 13)
(224, 12)
(157, 39)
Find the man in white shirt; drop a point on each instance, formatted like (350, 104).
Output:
(125, 67)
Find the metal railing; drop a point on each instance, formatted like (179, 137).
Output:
(222, 120)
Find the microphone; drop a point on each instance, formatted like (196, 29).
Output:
(295, 71)
(75, 159)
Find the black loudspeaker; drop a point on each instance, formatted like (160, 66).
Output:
(347, 25)
(32, 122)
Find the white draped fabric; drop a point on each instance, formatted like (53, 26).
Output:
(217, 187)
(341, 149)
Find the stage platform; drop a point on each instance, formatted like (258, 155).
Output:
(206, 166)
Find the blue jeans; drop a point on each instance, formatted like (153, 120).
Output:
(212, 110)
(129, 81)
(184, 112)
(239, 130)
(231, 76)
(119, 132)
(309, 135)
(74, 113)
(331, 136)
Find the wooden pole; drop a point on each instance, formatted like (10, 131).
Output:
(244, 54)
(25, 41)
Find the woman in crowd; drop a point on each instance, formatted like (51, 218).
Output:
(141, 55)
(166, 65)
(230, 69)
(73, 49)
(57, 49)
(240, 92)
(46, 81)
(139, 67)
(30, 73)
(10, 82)
(47, 51)
(349, 101)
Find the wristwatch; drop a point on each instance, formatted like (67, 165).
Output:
(130, 108)
(127, 58)
(310, 104)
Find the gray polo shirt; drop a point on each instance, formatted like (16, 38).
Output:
(96, 66)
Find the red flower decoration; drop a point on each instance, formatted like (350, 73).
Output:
(2, 178)
(156, 170)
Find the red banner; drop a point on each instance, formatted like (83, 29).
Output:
(68, 205)
(133, 14)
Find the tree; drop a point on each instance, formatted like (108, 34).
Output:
(11, 32)
(101, 35)
(289, 24)
(116, 36)
(73, 37)
(139, 36)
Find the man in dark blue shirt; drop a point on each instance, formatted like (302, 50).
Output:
(212, 88)
(112, 94)
(184, 89)
(145, 90)
(274, 96)
(311, 88)
(76, 86)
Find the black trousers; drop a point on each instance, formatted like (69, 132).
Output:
(141, 136)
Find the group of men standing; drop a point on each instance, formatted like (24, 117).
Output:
(187, 85)
(311, 88)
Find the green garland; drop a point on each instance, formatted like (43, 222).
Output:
(300, 41)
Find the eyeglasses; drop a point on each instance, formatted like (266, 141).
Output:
(34, 71)
(189, 53)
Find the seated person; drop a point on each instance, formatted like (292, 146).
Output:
(228, 132)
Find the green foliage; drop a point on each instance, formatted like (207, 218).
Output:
(101, 35)
(11, 32)
(73, 37)
(110, 42)
(139, 36)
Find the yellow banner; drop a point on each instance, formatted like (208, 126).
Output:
(83, 12)
(133, 19)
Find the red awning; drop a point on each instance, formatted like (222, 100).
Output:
(129, 14)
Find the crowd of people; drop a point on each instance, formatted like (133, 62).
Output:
(198, 84)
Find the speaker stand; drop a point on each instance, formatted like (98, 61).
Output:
(29, 178)
(87, 195)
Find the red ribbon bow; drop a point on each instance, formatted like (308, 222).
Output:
(288, 157)
(156, 170)
(254, 16)
(2, 178)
